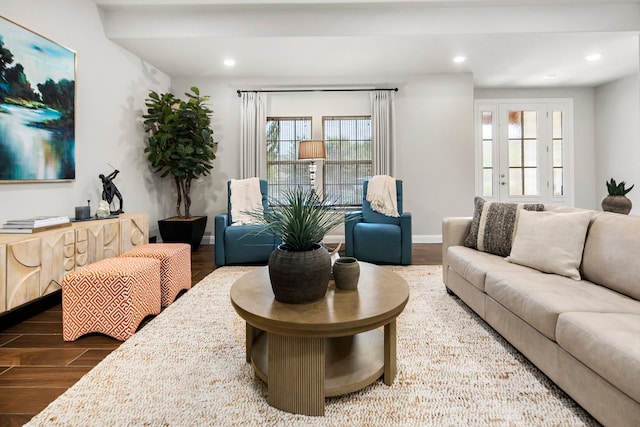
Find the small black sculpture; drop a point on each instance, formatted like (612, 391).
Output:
(109, 190)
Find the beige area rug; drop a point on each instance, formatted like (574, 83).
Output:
(187, 368)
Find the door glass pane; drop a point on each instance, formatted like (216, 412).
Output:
(531, 182)
(487, 125)
(530, 124)
(515, 124)
(487, 153)
(523, 153)
(557, 182)
(530, 153)
(487, 183)
(556, 154)
(515, 153)
(515, 182)
(557, 124)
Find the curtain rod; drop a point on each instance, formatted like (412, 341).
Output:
(240, 92)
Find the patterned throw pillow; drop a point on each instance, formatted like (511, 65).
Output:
(494, 224)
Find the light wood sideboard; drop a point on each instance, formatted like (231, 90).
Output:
(32, 265)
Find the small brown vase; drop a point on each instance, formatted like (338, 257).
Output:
(346, 272)
(616, 204)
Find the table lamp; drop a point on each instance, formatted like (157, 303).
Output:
(311, 150)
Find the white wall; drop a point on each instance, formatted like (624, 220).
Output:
(434, 132)
(618, 137)
(435, 149)
(111, 86)
(583, 136)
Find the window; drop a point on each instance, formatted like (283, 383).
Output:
(348, 150)
(348, 163)
(284, 171)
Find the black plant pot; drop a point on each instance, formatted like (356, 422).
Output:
(183, 230)
(299, 277)
(616, 204)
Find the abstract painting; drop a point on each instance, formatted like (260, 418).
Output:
(37, 107)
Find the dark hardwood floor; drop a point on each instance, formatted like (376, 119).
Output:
(37, 365)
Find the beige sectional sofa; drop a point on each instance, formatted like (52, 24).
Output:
(583, 334)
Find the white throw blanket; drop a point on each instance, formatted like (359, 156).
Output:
(245, 197)
(381, 194)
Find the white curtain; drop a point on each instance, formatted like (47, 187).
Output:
(253, 136)
(383, 132)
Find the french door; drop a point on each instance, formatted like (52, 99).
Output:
(524, 151)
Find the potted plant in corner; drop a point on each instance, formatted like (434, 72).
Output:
(300, 268)
(180, 144)
(617, 200)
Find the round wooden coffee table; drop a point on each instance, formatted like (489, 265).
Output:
(306, 352)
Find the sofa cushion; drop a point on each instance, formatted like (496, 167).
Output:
(608, 343)
(551, 242)
(473, 265)
(539, 298)
(611, 253)
(493, 225)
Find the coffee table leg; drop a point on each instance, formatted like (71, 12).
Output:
(390, 352)
(296, 374)
(250, 335)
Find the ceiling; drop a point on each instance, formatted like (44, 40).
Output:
(516, 43)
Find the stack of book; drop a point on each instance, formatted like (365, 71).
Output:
(33, 225)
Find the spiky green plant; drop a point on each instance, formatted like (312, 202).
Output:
(617, 189)
(301, 217)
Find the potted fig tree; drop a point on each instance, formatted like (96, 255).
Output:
(180, 145)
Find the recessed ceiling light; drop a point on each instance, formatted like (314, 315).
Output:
(229, 62)
(459, 59)
(549, 76)
(593, 57)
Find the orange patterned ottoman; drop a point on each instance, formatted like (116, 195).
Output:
(110, 296)
(175, 269)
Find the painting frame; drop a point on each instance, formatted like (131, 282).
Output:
(37, 107)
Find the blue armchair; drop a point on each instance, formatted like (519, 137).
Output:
(241, 244)
(373, 237)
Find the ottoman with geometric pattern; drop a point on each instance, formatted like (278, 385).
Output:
(175, 267)
(110, 296)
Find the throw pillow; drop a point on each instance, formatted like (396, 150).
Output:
(551, 242)
(494, 224)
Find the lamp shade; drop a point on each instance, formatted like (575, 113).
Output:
(311, 150)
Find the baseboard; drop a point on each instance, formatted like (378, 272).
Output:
(209, 238)
(427, 238)
(30, 309)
